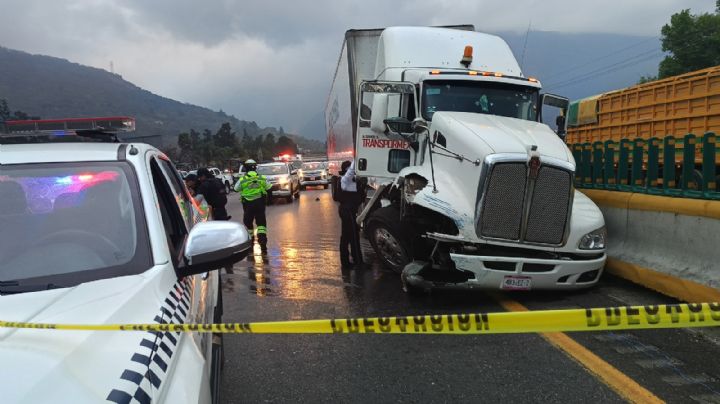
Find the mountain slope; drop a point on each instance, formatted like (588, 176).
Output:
(56, 88)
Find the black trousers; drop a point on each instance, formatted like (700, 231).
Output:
(220, 213)
(350, 235)
(254, 213)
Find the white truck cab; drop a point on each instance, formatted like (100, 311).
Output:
(472, 189)
(105, 233)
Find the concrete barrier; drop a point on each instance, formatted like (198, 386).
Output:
(668, 244)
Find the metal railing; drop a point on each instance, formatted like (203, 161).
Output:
(684, 167)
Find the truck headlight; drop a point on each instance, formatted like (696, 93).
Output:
(323, 174)
(283, 180)
(595, 240)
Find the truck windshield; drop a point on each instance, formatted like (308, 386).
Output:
(479, 97)
(64, 224)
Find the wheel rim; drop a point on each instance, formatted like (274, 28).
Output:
(389, 247)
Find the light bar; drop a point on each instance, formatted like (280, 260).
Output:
(111, 124)
(482, 73)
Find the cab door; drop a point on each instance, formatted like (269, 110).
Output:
(379, 151)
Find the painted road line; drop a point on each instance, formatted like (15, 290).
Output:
(626, 387)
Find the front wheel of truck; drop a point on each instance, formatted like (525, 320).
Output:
(385, 234)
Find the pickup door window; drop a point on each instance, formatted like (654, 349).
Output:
(175, 228)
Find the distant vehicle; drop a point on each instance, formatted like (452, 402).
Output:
(472, 189)
(314, 173)
(225, 177)
(284, 179)
(98, 232)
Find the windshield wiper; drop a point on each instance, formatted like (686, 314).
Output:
(11, 287)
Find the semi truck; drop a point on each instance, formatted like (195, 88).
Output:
(469, 188)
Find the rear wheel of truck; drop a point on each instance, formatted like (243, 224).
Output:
(385, 234)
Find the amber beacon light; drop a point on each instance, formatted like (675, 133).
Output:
(467, 56)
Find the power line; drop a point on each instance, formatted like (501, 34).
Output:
(602, 68)
(619, 67)
(600, 58)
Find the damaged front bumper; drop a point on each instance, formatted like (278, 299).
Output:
(507, 273)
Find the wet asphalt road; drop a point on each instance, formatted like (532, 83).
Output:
(302, 279)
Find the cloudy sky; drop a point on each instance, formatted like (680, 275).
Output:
(272, 61)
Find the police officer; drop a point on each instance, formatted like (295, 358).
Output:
(214, 192)
(351, 196)
(253, 189)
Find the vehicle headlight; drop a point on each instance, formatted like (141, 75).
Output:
(414, 184)
(282, 180)
(323, 173)
(595, 240)
(300, 173)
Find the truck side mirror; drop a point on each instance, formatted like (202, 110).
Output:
(560, 122)
(379, 113)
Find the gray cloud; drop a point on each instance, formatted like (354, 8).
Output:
(271, 60)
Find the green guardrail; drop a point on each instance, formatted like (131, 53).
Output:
(685, 167)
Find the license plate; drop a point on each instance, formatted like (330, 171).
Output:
(516, 283)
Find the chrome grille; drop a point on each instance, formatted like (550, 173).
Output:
(502, 210)
(517, 209)
(549, 206)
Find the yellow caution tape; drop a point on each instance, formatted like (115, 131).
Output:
(599, 319)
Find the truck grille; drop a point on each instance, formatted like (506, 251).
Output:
(504, 204)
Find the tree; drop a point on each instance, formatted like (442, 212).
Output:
(225, 137)
(268, 145)
(693, 42)
(185, 145)
(4, 111)
(285, 145)
(646, 79)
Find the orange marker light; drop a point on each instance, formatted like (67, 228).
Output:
(498, 74)
(472, 73)
(434, 71)
(486, 73)
(467, 56)
(533, 79)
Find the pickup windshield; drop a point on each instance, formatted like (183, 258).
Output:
(479, 97)
(64, 224)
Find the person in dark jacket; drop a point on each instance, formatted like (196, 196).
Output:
(351, 196)
(214, 193)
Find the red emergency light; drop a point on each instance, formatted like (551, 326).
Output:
(104, 124)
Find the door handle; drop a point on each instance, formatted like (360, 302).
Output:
(362, 164)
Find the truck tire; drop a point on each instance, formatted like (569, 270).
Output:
(384, 231)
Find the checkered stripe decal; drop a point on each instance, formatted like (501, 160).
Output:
(148, 365)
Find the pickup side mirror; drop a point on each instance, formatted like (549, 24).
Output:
(213, 245)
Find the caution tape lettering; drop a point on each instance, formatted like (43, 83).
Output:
(597, 319)
(652, 315)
